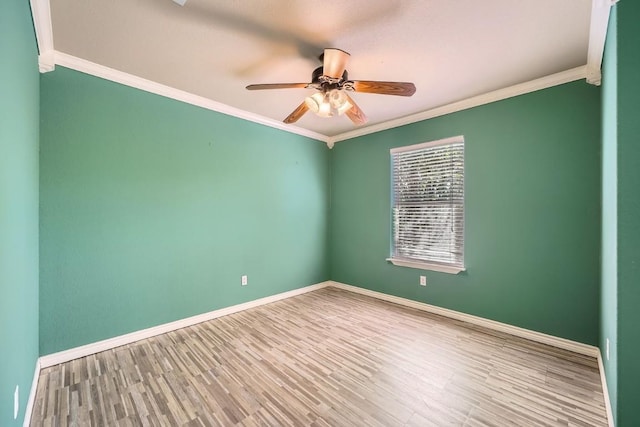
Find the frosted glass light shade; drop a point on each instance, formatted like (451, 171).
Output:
(329, 103)
(325, 110)
(314, 102)
(339, 101)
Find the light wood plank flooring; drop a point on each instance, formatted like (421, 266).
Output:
(326, 358)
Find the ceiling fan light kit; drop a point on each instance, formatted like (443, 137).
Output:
(319, 104)
(331, 80)
(328, 104)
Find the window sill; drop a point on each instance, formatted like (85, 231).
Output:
(426, 266)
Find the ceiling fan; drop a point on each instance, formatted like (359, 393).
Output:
(331, 80)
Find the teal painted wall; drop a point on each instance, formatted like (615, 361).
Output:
(609, 290)
(628, 111)
(152, 209)
(19, 110)
(532, 229)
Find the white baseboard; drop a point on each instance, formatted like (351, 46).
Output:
(576, 347)
(32, 395)
(86, 350)
(96, 347)
(605, 390)
(563, 343)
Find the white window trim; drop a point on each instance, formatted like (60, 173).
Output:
(444, 141)
(451, 269)
(426, 266)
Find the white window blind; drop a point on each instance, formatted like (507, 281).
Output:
(428, 203)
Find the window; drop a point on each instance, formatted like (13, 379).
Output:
(428, 205)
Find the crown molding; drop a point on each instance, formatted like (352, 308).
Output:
(131, 80)
(49, 58)
(41, 13)
(600, 10)
(46, 62)
(97, 70)
(489, 97)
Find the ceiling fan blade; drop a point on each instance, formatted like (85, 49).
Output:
(278, 86)
(335, 61)
(384, 88)
(297, 113)
(355, 113)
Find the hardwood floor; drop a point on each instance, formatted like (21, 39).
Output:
(326, 358)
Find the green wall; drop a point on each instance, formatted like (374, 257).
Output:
(609, 290)
(532, 194)
(151, 210)
(620, 206)
(628, 169)
(19, 105)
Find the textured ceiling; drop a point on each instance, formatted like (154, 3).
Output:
(451, 50)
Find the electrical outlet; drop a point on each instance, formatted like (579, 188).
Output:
(607, 348)
(16, 402)
(244, 280)
(423, 280)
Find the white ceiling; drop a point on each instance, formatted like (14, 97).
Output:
(452, 50)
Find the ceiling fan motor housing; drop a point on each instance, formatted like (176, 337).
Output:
(326, 83)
